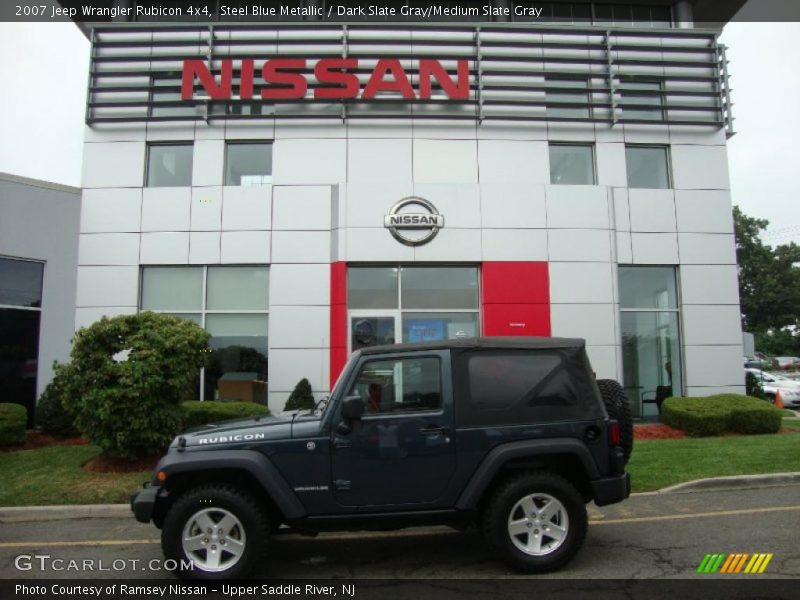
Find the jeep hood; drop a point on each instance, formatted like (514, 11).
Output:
(239, 431)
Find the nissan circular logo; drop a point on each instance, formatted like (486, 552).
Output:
(413, 221)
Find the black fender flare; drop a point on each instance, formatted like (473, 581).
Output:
(254, 463)
(498, 456)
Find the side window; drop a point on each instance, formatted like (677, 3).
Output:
(506, 387)
(571, 164)
(499, 382)
(248, 163)
(648, 167)
(169, 165)
(401, 385)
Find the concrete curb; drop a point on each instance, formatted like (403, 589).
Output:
(736, 481)
(24, 514)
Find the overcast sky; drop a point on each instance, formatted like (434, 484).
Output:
(43, 102)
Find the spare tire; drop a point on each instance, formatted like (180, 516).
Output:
(619, 409)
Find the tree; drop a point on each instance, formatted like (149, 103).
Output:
(127, 378)
(769, 279)
(301, 398)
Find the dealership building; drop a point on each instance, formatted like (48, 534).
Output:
(305, 188)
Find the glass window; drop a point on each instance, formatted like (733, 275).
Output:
(439, 287)
(561, 90)
(372, 287)
(232, 304)
(248, 163)
(507, 386)
(407, 385)
(436, 303)
(20, 316)
(651, 360)
(648, 287)
(238, 288)
(647, 166)
(499, 381)
(434, 327)
(172, 288)
(21, 282)
(237, 368)
(571, 164)
(194, 318)
(641, 92)
(651, 363)
(371, 331)
(19, 357)
(169, 165)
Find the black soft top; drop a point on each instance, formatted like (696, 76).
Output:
(519, 343)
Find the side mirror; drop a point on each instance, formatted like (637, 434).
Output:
(352, 408)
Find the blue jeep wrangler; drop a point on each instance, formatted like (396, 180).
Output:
(512, 435)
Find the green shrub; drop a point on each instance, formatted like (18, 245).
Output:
(196, 413)
(694, 416)
(764, 419)
(301, 398)
(51, 416)
(713, 415)
(13, 418)
(127, 378)
(753, 386)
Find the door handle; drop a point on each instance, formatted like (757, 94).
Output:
(341, 443)
(435, 430)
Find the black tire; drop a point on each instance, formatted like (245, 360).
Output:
(252, 519)
(504, 499)
(618, 408)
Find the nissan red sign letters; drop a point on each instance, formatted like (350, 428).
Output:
(283, 80)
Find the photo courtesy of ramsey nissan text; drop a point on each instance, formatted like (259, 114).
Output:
(348, 299)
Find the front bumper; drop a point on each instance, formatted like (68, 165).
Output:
(610, 490)
(143, 503)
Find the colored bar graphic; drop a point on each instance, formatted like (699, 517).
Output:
(702, 567)
(727, 564)
(717, 564)
(741, 562)
(749, 566)
(757, 564)
(734, 563)
(765, 563)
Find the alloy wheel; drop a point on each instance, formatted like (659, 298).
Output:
(214, 539)
(538, 524)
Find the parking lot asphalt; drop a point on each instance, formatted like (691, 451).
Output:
(649, 536)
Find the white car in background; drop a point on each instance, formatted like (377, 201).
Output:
(787, 362)
(772, 382)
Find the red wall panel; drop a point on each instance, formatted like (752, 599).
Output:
(516, 319)
(515, 282)
(338, 319)
(516, 298)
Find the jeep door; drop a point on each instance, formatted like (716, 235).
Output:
(402, 451)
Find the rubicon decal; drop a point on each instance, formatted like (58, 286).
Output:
(239, 437)
(333, 79)
(734, 563)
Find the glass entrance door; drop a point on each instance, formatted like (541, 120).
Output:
(369, 328)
